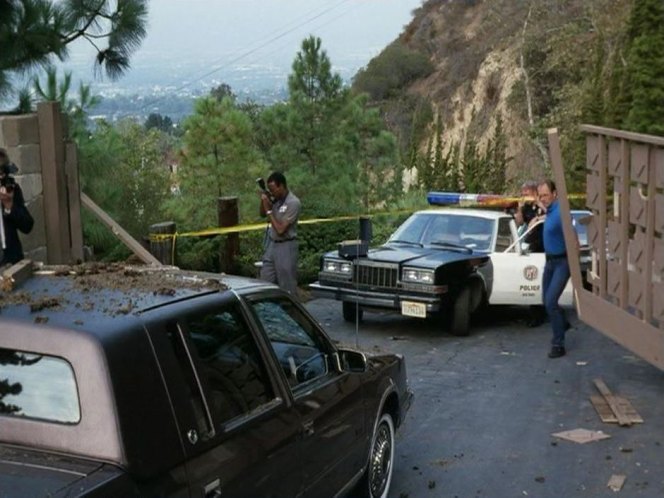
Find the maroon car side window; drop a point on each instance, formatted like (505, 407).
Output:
(230, 362)
(300, 352)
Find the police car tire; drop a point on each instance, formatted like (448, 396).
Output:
(460, 324)
(350, 313)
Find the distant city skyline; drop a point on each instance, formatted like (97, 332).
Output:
(246, 43)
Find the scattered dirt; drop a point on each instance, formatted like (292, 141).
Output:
(47, 302)
(118, 276)
(88, 277)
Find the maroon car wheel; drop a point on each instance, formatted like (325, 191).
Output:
(381, 459)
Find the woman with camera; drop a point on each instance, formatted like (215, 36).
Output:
(15, 216)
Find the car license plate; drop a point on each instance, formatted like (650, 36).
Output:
(409, 308)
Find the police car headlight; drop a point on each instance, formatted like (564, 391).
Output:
(417, 276)
(336, 266)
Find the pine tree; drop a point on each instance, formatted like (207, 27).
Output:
(645, 68)
(495, 161)
(334, 149)
(33, 32)
(315, 93)
(218, 159)
(438, 166)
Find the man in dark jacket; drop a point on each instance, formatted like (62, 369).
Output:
(529, 214)
(15, 216)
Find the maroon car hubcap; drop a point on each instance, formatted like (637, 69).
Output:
(380, 460)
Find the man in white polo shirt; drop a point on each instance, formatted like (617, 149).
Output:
(281, 250)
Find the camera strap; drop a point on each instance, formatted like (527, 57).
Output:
(3, 241)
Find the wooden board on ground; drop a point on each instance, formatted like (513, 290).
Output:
(581, 436)
(616, 482)
(603, 389)
(606, 414)
(15, 275)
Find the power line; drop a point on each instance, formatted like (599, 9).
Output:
(244, 54)
(316, 28)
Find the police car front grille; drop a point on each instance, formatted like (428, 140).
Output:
(376, 275)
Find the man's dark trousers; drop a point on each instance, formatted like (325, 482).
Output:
(554, 280)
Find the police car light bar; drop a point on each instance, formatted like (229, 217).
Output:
(466, 200)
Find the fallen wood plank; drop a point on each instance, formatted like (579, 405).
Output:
(16, 274)
(120, 232)
(603, 409)
(603, 389)
(606, 414)
(616, 482)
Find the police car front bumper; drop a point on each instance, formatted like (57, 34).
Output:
(375, 299)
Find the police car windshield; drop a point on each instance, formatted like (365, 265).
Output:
(439, 229)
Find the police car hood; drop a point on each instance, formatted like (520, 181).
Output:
(430, 256)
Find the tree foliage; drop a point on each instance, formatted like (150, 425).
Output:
(218, 159)
(335, 150)
(162, 123)
(33, 32)
(389, 74)
(644, 71)
(123, 170)
(76, 108)
(471, 168)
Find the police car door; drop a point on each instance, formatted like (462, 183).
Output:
(517, 274)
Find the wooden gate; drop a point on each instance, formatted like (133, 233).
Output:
(625, 192)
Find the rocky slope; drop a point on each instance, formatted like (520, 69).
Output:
(525, 61)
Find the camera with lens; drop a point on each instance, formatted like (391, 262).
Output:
(7, 182)
(261, 185)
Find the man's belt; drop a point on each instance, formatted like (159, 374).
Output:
(284, 240)
(550, 257)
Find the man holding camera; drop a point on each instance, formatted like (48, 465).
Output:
(15, 216)
(282, 209)
(531, 213)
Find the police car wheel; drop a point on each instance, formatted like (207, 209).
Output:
(460, 324)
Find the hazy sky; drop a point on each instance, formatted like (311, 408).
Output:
(209, 35)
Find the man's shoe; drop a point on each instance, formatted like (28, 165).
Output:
(557, 352)
(534, 322)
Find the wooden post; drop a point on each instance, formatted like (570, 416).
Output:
(58, 237)
(74, 202)
(227, 211)
(162, 248)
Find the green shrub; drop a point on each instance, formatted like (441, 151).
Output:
(388, 74)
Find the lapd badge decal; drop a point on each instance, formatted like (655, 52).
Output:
(530, 272)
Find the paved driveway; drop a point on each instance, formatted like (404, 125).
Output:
(486, 405)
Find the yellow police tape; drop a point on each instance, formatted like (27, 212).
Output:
(261, 226)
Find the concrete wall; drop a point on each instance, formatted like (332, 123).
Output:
(20, 136)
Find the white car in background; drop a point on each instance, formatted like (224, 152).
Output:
(444, 261)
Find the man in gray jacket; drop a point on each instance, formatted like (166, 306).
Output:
(282, 209)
